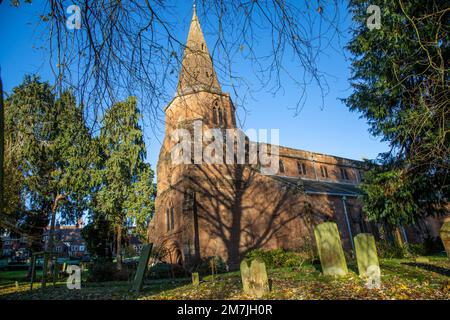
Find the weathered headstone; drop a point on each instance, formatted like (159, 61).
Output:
(142, 267)
(246, 277)
(373, 274)
(445, 236)
(195, 278)
(260, 282)
(422, 260)
(254, 278)
(366, 253)
(330, 250)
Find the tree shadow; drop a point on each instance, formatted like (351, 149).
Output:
(228, 210)
(235, 209)
(429, 267)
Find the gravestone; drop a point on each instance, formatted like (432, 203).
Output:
(422, 260)
(142, 267)
(260, 282)
(246, 277)
(366, 253)
(445, 236)
(195, 278)
(330, 250)
(254, 278)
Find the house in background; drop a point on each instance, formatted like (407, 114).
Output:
(15, 248)
(68, 241)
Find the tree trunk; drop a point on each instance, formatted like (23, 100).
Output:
(52, 222)
(119, 247)
(51, 237)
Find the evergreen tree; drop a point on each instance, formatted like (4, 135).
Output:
(126, 190)
(52, 153)
(401, 86)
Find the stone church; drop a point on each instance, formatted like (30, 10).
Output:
(225, 210)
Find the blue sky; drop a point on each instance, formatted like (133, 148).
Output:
(332, 129)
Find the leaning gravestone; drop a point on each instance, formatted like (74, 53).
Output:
(366, 253)
(445, 236)
(254, 278)
(330, 250)
(142, 267)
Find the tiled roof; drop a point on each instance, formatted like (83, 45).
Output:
(321, 187)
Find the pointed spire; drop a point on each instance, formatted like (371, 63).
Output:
(197, 70)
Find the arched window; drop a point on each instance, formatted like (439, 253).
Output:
(224, 117)
(301, 168)
(281, 167)
(167, 220)
(324, 171)
(214, 115)
(344, 174)
(220, 116)
(172, 218)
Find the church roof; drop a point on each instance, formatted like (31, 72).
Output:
(322, 187)
(197, 70)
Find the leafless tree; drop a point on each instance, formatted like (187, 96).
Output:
(133, 48)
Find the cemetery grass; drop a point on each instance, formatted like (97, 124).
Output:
(402, 279)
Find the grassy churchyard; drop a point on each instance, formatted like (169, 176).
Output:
(400, 279)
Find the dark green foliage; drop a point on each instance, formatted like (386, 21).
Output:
(49, 156)
(401, 87)
(126, 192)
(99, 238)
(104, 270)
(203, 267)
(165, 270)
(430, 246)
(276, 258)
(387, 250)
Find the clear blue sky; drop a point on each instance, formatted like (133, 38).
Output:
(332, 130)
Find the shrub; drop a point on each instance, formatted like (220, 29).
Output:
(433, 246)
(391, 250)
(102, 271)
(277, 258)
(307, 249)
(430, 246)
(203, 267)
(416, 249)
(164, 270)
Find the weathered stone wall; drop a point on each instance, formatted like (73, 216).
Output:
(237, 209)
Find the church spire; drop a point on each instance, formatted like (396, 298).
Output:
(197, 71)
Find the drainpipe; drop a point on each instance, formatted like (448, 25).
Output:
(348, 223)
(402, 229)
(315, 171)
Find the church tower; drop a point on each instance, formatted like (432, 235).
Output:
(198, 100)
(198, 97)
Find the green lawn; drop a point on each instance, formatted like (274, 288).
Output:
(401, 279)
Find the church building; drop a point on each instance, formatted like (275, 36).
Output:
(225, 210)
